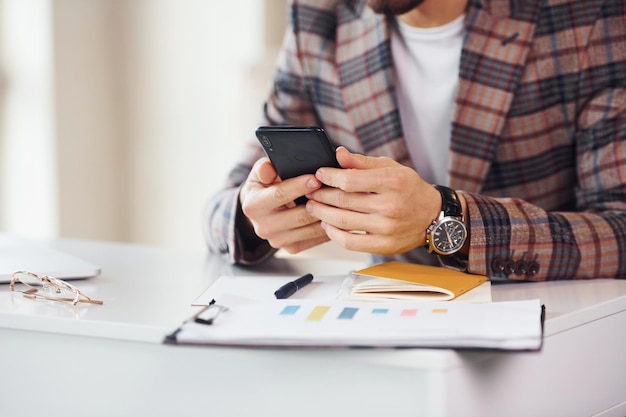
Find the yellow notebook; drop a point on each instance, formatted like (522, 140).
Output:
(407, 281)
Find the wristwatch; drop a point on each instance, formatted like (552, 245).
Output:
(447, 233)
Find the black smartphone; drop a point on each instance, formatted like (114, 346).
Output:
(297, 150)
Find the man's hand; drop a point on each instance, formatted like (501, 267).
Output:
(374, 205)
(268, 204)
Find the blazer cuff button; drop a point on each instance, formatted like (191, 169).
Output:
(497, 265)
(533, 269)
(521, 268)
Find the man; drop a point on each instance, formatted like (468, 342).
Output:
(518, 106)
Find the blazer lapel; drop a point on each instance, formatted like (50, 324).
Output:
(366, 78)
(495, 50)
(496, 47)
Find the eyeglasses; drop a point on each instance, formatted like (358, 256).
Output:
(45, 287)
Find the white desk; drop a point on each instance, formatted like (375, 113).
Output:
(109, 361)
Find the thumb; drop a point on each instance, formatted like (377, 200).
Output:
(265, 172)
(348, 160)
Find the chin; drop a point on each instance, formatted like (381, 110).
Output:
(394, 7)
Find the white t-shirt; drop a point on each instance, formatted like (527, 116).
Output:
(427, 69)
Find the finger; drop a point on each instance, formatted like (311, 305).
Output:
(342, 219)
(280, 194)
(357, 180)
(284, 222)
(360, 174)
(358, 242)
(263, 172)
(289, 190)
(306, 244)
(338, 198)
(349, 160)
(266, 174)
(301, 237)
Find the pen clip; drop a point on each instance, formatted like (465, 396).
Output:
(209, 313)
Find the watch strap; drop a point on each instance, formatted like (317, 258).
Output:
(450, 204)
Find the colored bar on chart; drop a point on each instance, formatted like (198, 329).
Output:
(347, 313)
(318, 313)
(289, 310)
(380, 310)
(440, 310)
(409, 312)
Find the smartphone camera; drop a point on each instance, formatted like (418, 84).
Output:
(266, 141)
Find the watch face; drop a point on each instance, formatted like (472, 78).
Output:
(448, 236)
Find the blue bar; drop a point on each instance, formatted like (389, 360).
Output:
(380, 311)
(289, 310)
(348, 313)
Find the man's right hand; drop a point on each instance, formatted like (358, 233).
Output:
(268, 203)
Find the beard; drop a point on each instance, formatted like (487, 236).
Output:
(393, 7)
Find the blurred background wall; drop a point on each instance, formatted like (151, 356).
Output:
(118, 118)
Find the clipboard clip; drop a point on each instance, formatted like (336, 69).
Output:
(209, 313)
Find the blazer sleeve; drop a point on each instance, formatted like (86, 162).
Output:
(517, 240)
(225, 229)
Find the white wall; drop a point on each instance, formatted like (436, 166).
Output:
(119, 118)
(89, 111)
(149, 101)
(190, 103)
(28, 184)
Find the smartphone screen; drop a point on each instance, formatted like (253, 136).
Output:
(297, 150)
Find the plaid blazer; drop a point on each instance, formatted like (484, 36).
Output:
(538, 143)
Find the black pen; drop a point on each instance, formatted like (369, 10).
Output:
(290, 288)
